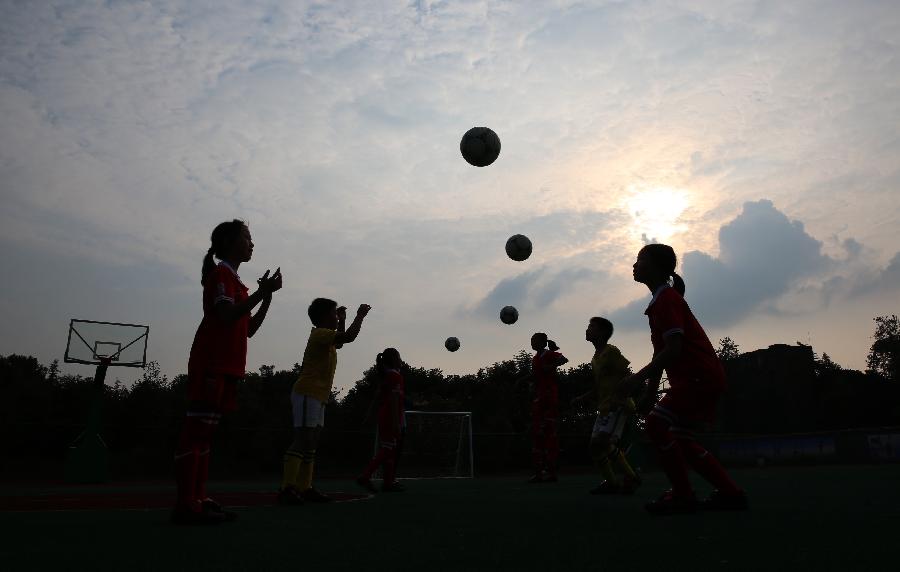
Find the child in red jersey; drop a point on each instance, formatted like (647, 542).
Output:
(391, 421)
(696, 380)
(545, 407)
(217, 360)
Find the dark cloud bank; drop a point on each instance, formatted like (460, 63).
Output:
(763, 255)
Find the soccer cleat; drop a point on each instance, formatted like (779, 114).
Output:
(606, 488)
(668, 504)
(393, 488)
(212, 507)
(289, 496)
(718, 500)
(366, 484)
(315, 495)
(183, 516)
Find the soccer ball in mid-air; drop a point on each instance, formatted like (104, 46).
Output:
(452, 344)
(480, 146)
(509, 315)
(518, 247)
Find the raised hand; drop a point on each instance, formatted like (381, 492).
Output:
(342, 313)
(270, 284)
(363, 310)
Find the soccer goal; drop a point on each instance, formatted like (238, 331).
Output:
(436, 445)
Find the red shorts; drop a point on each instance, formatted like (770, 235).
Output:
(691, 406)
(214, 393)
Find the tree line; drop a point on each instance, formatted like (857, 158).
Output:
(43, 410)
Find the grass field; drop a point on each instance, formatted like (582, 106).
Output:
(810, 518)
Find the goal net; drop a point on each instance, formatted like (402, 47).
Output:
(437, 444)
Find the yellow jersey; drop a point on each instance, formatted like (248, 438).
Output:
(610, 367)
(319, 363)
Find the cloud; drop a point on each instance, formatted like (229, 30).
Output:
(762, 254)
(534, 289)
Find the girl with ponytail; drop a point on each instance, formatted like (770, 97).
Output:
(391, 422)
(696, 380)
(544, 407)
(216, 364)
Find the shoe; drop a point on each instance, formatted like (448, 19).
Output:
(366, 484)
(315, 495)
(550, 478)
(289, 496)
(393, 488)
(537, 478)
(210, 506)
(718, 500)
(184, 516)
(669, 504)
(606, 488)
(630, 485)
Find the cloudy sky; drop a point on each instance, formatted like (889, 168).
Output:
(760, 139)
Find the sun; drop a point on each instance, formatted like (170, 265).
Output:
(655, 212)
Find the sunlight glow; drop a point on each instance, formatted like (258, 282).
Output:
(655, 212)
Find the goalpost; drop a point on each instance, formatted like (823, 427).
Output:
(436, 445)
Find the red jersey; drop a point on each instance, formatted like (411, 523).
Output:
(698, 364)
(545, 382)
(221, 348)
(392, 387)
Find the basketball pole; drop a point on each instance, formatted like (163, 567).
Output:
(87, 460)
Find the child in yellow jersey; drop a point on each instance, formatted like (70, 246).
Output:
(610, 367)
(311, 392)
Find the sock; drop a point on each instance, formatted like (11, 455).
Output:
(186, 477)
(708, 467)
(373, 465)
(671, 457)
(605, 466)
(624, 465)
(292, 460)
(187, 460)
(305, 474)
(202, 475)
(389, 473)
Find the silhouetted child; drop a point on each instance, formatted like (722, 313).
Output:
(217, 361)
(610, 368)
(545, 408)
(391, 421)
(311, 392)
(696, 379)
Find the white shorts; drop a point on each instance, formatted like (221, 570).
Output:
(308, 411)
(612, 424)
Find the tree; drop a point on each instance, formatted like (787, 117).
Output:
(728, 349)
(884, 355)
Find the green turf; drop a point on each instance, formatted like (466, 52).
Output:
(822, 518)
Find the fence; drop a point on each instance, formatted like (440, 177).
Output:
(38, 450)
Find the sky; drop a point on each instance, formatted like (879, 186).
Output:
(759, 138)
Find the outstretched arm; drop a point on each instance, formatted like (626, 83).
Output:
(653, 371)
(350, 334)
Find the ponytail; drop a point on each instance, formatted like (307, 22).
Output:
(379, 365)
(220, 241)
(551, 345)
(678, 283)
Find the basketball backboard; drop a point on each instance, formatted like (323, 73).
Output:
(93, 343)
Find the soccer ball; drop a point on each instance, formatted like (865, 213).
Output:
(509, 315)
(480, 146)
(452, 344)
(518, 247)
